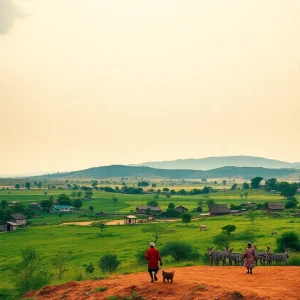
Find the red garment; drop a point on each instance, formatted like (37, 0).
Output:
(153, 257)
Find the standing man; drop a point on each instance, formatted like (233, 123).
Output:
(153, 257)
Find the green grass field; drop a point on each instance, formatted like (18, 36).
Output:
(48, 237)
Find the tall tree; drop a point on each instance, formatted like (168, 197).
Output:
(255, 182)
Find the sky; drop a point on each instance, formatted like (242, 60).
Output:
(100, 82)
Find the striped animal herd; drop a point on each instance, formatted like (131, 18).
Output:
(264, 258)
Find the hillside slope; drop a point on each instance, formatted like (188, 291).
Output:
(146, 172)
(226, 283)
(221, 161)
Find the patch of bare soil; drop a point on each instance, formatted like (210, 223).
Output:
(213, 283)
(87, 223)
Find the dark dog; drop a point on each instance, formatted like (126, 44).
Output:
(167, 276)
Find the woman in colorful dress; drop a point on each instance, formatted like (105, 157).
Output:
(249, 258)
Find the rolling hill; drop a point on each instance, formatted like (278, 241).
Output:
(209, 163)
(114, 171)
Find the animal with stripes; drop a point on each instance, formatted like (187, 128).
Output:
(263, 257)
(281, 257)
(216, 256)
(237, 258)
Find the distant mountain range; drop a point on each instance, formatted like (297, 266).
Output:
(221, 161)
(116, 171)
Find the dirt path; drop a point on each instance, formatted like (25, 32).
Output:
(213, 283)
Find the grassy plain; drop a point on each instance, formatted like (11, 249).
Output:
(48, 237)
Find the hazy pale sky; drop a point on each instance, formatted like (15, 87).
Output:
(94, 82)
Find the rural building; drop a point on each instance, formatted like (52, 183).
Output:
(250, 204)
(14, 203)
(19, 219)
(61, 208)
(34, 206)
(130, 219)
(182, 209)
(219, 209)
(142, 209)
(11, 226)
(298, 191)
(275, 206)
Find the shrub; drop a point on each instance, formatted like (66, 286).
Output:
(289, 239)
(109, 263)
(29, 274)
(223, 240)
(179, 251)
(101, 289)
(140, 257)
(90, 268)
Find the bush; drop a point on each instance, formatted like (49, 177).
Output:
(6, 294)
(206, 259)
(289, 239)
(223, 240)
(294, 260)
(90, 268)
(179, 251)
(109, 263)
(140, 257)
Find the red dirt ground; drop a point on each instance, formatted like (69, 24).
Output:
(213, 283)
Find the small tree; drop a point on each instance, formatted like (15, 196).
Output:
(251, 215)
(109, 263)
(100, 225)
(152, 203)
(171, 206)
(77, 203)
(246, 195)
(27, 185)
(60, 264)
(17, 186)
(46, 205)
(63, 199)
(155, 230)
(186, 218)
(74, 194)
(29, 274)
(242, 196)
(288, 240)
(115, 199)
(91, 208)
(245, 185)
(255, 182)
(210, 203)
(228, 229)
(223, 240)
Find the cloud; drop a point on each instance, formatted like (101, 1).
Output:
(8, 13)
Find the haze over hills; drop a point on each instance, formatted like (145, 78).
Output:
(147, 172)
(209, 163)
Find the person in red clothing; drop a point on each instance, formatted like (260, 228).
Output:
(153, 257)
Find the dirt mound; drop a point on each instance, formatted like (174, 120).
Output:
(219, 283)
